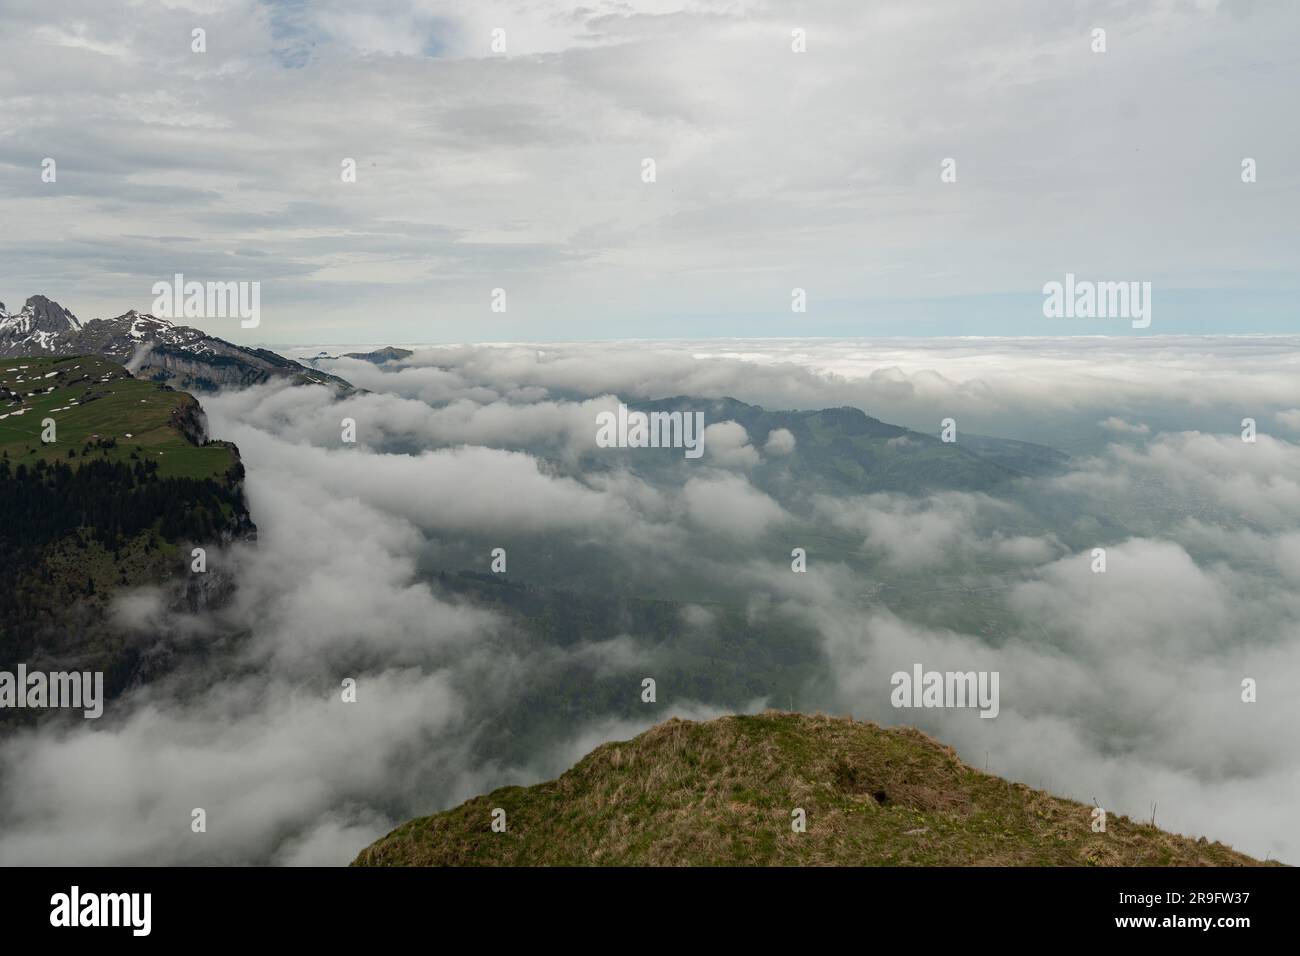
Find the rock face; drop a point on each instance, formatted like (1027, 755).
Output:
(150, 348)
(36, 329)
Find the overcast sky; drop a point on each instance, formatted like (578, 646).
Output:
(775, 169)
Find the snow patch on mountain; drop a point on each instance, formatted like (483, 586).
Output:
(150, 347)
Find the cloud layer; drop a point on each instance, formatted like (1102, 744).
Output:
(1123, 686)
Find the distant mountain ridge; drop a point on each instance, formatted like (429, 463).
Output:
(846, 451)
(835, 451)
(151, 347)
(389, 353)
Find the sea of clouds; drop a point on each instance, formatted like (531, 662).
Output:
(1124, 688)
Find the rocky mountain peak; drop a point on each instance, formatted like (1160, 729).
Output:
(46, 315)
(151, 347)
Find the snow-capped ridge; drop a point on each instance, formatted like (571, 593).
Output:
(153, 347)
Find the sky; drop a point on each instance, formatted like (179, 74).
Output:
(523, 170)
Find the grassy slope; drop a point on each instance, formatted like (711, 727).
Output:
(99, 401)
(721, 793)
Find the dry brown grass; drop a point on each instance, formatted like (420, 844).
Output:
(722, 792)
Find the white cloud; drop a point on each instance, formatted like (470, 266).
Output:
(727, 446)
(780, 442)
(1119, 425)
(729, 505)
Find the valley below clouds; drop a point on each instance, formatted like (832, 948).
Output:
(373, 562)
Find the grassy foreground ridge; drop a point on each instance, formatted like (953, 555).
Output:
(721, 793)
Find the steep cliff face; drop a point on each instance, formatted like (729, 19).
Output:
(128, 487)
(191, 421)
